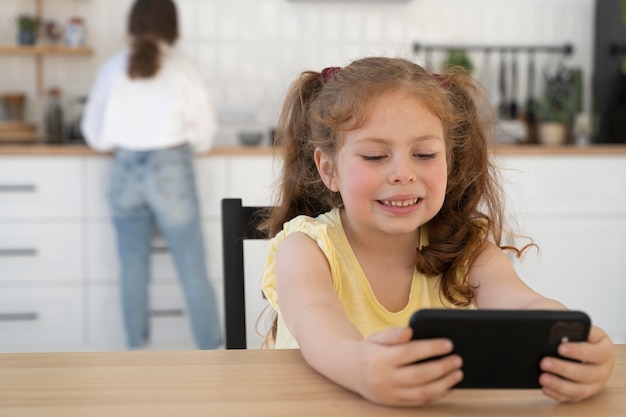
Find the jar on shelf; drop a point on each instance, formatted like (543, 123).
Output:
(75, 32)
(53, 123)
(14, 106)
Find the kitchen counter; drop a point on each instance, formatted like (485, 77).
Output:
(69, 150)
(80, 150)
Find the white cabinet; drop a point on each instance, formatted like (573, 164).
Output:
(573, 185)
(41, 253)
(44, 252)
(581, 263)
(213, 175)
(574, 208)
(40, 187)
(252, 178)
(41, 318)
(59, 268)
(97, 174)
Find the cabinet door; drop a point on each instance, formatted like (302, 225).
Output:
(41, 319)
(41, 252)
(574, 207)
(211, 174)
(40, 187)
(581, 263)
(97, 179)
(253, 179)
(169, 323)
(564, 184)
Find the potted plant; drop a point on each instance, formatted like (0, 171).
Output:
(556, 108)
(27, 26)
(458, 58)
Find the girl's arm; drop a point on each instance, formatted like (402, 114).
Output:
(381, 368)
(497, 285)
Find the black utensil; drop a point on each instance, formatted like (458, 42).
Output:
(531, 116)
(487, 76)
(503, 107)
(514, 86)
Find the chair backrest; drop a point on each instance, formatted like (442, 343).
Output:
(238, 224)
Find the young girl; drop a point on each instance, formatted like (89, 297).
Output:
(389, 204)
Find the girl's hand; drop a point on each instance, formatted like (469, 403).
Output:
(389, 375)
(568, 381)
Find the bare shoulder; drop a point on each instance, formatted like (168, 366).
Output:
(297, 243)
(299, 253)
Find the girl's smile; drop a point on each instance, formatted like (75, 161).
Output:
(400, 203)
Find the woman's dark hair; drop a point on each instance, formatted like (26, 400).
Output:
(316, 113)
(150, 22)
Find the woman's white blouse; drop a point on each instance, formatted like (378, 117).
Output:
(166, 110)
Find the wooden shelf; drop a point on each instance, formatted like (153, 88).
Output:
(45, 50)
(39, 51)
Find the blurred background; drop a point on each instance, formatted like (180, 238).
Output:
(250, 50)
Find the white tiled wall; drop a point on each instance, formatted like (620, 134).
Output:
(250, 50)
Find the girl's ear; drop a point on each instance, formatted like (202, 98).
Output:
(326, 170)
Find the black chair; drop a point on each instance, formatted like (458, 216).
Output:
(238, 224)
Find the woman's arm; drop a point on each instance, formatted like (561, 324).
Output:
(92, 124)
(381, 368)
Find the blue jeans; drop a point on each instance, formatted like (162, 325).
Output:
(151, 189)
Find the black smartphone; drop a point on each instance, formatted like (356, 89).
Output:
(501, 348)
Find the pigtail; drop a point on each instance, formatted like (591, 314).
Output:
(472, 212)
(302, 189)
(301, 185)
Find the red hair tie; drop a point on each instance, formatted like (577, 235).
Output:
(328, 73)
(443, 81)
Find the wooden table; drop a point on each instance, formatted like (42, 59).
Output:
(240, 383)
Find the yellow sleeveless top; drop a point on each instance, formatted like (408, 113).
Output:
(350, 283)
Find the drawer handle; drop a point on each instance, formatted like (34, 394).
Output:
(19, 316)
(172, 312)
(159, 249)
(17, 188)
(18, 252)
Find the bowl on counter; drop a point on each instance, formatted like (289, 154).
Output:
(250, 138)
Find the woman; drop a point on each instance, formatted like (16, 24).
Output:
(150, 106)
